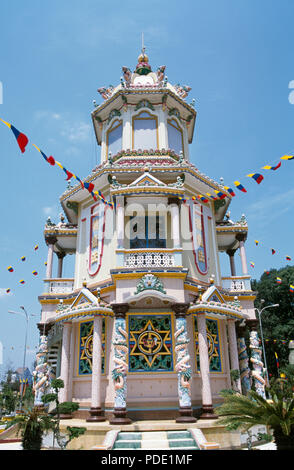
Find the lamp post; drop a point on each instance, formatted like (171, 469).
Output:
(25, 346)
(261, 332)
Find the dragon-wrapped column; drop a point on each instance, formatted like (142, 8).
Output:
(42, 374)
(183, 366)
(119, 372)
(243, 361)
(256, 359)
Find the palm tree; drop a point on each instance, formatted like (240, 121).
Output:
(243, 412)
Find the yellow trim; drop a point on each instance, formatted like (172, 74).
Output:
(147, 189)
(169, 121)
(144, 314)
(112, 128)
(152, 117)
(147, 250)
(132, 275)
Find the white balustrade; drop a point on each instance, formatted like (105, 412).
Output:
(236, 284)
(60, 286)
(149, 259)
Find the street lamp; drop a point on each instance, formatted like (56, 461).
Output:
(261, 333)
(25, 314)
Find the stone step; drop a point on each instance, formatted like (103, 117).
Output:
(127, 444)
(153, 440)
(129, 436)
(181, 443)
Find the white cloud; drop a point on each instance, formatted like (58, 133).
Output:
(71, 128)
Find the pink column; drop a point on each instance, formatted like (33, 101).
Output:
(95, 411)
(175, 221)
(60, 256)
(65, 358)
(231, 254)
(50, 242)
(234, 356)
(207, 407)
(241, 239)
(120, 221)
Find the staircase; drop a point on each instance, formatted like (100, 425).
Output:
(148, 440)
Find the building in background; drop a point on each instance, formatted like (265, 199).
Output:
(147, 327)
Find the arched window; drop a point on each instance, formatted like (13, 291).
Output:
(114, 138)
(175, 136)
(145, 131)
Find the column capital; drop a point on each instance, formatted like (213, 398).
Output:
(60, 254)
(231, 252)
(180, 308)
(241, 329)
(44, 328)
(173, 200)
(120, 309)
(241, 237)
(50, 240)
(252, 324)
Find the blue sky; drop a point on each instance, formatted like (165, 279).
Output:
(236, 55)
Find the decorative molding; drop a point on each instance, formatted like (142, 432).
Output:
(150, 281)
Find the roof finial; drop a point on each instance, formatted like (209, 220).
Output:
(143, 47)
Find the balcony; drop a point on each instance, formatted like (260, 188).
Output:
(58, 286)
(154, 258)
(237, 283)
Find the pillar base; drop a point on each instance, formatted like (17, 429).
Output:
(208, 413)
(95, 415)
(120, 417)
(186, 415)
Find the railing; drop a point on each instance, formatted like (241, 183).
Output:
(149, 259)
(58, 286)
(236, 283)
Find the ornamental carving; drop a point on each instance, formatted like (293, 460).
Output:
(150, 281)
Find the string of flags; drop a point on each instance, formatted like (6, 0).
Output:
(23, 140)
(11, 270)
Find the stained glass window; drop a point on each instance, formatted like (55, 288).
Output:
(150, 343)
(212, 330)
(86, 347)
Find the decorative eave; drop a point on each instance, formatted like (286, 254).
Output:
(64, 236)
(75, 193)
(155, 95)
(216, 308)
(87, 311)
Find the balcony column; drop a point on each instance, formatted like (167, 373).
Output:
(50, 242)
(120, 221)
(231, 254)
(241, 238)
(234, 357)
(95, 410)
(65, 359)
(60, 256)
(183, 366)
(175, 221)
(119, 372)
(207, 408)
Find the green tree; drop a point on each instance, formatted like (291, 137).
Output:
(73, 432)
(277, 323)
